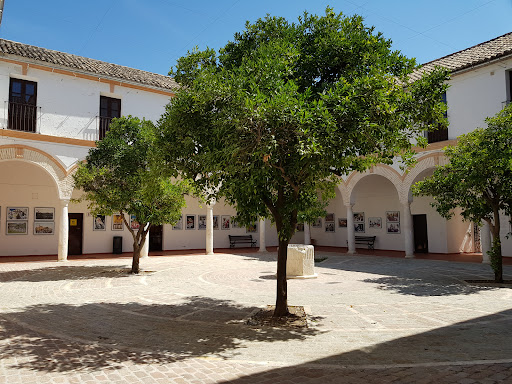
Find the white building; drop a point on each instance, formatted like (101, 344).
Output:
(57, 104)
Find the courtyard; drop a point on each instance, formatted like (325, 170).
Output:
(372, 319)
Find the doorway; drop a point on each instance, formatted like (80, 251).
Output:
(75, 238)
(420, 233)
(155, 237)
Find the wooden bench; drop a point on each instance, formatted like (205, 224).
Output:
(247, 239)
(367, 240)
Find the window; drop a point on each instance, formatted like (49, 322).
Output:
(22, 105)
(441, 134)
(109, 109)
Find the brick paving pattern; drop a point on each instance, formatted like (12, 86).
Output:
(373, 320)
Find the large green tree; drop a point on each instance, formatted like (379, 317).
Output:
(478, 180)
(273, 119)
(121, 175)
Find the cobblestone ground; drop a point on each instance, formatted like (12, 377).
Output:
(373, 320)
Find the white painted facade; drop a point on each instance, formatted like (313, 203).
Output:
(36, 168)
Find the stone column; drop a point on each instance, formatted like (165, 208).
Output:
(408, 229)
(209, 229)
(485, 241)
(144, 252)
(307, 234)
(351, 232)
(62, 254)
(263, 246)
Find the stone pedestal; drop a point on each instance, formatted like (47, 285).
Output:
(300, 263)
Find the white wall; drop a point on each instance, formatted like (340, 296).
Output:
(475, 95)
(70, 105)
(26, 185)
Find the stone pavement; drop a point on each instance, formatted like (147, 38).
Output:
(373, 320)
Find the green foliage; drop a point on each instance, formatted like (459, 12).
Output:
(478, 178)
(122, 175)
(286, 108)
(274, 119)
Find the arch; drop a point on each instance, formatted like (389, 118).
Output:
(52, 166)
(424, 163)
(383, 170)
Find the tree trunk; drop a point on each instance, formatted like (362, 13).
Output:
(136, 258)
(496, 257)
(137, 248)
(282, 284)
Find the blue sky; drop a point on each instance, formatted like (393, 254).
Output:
(152, 34)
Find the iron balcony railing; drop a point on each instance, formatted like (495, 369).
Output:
(103, 126)
(22, 117)
(438, 135)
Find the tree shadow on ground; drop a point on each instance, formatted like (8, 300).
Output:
(88, 337)
(412, 277)
(67, 272)
(426, 286)
(442, 355)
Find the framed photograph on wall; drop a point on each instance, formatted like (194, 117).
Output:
(393, 216)
(234, 223)
(179, 224)
(215, 222)
(342, 222)
(44, 227)
(134, 224)
(329, 227)
(44, 214)
(375, 222)
(226, 219)
(317, 223)
(117, 222)
(191, 222)
(99, 223)
(359, 227)
(201, 222)
(17, 213)
(329, 218)
(393, 227)
(17, 228)
(252, 228)
(358, 217)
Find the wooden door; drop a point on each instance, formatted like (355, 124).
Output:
(76, 232)
(420, 233)
(155, 237)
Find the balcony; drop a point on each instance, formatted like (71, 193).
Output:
(437, 135)
(505, 103)
(103, 126)
(23, 117)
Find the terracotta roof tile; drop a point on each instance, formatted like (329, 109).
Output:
(493, 49)
(101, 68)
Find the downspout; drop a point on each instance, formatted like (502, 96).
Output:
(1, 10)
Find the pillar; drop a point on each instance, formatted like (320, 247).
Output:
(351, 232)
(485, 241)
(307, 234)
(209, 229)
(408, 230)
(263, 247)
(62, 252)
(144, 252)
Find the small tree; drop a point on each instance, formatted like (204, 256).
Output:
(285, 109)
(121, 176)
(478, 180)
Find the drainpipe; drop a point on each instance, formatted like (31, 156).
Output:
(1, 10)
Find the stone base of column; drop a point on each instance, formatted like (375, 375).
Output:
(412, 256)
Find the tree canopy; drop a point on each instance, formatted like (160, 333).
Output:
(279, 114)
(478, 179)
(121, 175)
